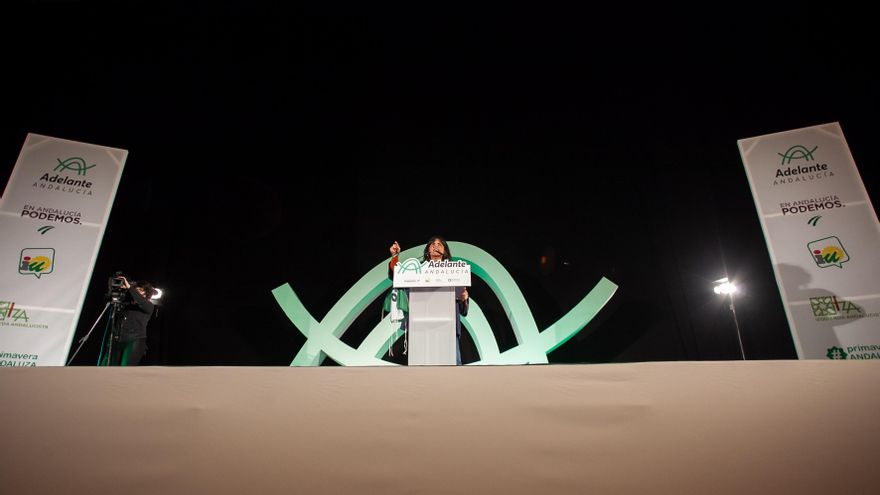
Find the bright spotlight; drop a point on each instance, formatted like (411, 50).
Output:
(724, 286)
(157, 294)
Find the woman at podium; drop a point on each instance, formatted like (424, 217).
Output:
(436, 250)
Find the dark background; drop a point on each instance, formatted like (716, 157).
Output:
(269, 145)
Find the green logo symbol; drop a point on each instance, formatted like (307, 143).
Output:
(828, 252)
(9, 312)
(324, 338)
(46, 228)
(813, 221)
(797, 152)
(74, 163)
(835, 353)
(410, 264)
(830, 306)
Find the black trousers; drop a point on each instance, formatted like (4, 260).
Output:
(128, 353)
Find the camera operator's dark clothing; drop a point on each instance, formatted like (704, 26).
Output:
(137, 313)
(132, 352)
(132, 345)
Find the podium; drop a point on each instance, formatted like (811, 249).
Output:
(433, 311)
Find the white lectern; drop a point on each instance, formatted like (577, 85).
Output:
(432, 308)
(432, 314)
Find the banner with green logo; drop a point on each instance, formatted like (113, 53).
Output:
(52, 218)
(823, 236)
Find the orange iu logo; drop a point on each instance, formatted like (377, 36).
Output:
(36, 261)
(828, 251)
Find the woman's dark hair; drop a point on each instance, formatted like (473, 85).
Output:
(446, 253)
(148, 288)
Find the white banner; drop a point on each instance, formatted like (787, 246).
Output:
(447, 273)
(823, 236)
(52, 219)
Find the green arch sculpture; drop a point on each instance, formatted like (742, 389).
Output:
(323, 338)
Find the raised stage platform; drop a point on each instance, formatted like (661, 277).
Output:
(677, 427)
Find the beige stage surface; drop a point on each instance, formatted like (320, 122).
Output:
(676, 427)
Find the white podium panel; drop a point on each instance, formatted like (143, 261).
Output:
(432, 314)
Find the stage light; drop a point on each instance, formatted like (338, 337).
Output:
(724, 287)
(157, 294)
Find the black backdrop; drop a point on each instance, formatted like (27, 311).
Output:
(268, 146)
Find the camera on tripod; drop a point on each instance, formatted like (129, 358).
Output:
(115, 291)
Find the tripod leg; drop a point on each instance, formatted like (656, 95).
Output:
(88, 334)
(112, 347)
(106, 346)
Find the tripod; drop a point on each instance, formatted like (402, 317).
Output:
(113, 324)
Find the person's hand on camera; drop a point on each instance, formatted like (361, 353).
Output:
(125, 284)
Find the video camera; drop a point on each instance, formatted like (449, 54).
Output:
(115, 291)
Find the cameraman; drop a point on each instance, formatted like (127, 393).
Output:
(136, 313)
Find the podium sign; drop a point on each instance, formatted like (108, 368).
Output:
(446, 273)
(432, 308)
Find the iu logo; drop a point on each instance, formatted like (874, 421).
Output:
(828, 252)
(36, 261)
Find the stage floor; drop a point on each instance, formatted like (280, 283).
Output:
(673, 427)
